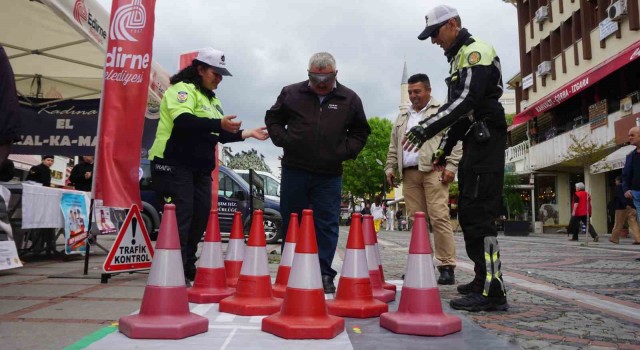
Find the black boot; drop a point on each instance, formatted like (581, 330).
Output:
(327, 284)
(473, 286)
(475, 302)
(447, 275)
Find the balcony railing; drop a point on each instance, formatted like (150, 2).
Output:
(517, 152)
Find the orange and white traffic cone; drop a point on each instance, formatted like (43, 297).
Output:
(288, 251)
(210, 285)
(164, 313)
(254, 295)
(369, 233)
(355, 297)
(235, 251)
(420, 309)
(385, 285)
(304, 311)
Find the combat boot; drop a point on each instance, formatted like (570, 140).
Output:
(475, 302)
(473, 286)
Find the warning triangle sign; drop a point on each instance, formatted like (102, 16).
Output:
(132, 249)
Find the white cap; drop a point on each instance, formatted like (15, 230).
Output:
(214, 58)
(435, 17)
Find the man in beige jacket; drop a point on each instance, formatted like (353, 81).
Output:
(424, 188)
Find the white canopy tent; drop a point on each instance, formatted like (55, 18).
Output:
(57, 49)
(613, 161)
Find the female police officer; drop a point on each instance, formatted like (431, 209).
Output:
(183, 152)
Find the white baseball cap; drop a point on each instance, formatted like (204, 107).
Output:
(435, 17)
(214, 58)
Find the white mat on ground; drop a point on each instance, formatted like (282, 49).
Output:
(226, 331)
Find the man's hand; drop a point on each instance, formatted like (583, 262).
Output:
(628, 194)
(87, 175)
(447, 177)
(229, 125)
(390, 178)
(257, 133)
(414, 138)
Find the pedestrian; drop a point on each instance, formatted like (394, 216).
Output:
(391, 218)
(625, 212)
(42, 172)
(192, 123)
(631, 170)
(425, 189)
(319, 123)
(366, 209)
(580, 212)
(377, 213)
(475, 116)
(399, 219)
(9, 107)
(82, 174)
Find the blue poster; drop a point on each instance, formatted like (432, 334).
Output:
(76, 217)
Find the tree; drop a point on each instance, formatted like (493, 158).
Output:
(509, 118)
(363, 177)
(250, 159)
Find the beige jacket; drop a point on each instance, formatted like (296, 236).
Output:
(394, 156)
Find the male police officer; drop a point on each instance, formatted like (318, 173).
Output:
(474, 115)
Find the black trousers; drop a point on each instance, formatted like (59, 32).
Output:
(481, 177)
(190, 191)
(574, 226)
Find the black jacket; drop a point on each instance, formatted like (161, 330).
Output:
(317, 137)
(40, 173)
(78, 179)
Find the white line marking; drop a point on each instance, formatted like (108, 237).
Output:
(202, 309)
(228, 340)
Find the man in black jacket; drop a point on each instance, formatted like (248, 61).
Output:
(42, 172)
(319, 123)
(82, 174)
(474, 115)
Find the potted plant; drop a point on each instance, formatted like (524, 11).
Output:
(514, 225)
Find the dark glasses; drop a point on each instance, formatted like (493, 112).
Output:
(437, 31)
(316, 78)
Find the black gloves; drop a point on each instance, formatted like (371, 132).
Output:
(417, 136)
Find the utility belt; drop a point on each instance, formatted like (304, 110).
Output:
(479, 127)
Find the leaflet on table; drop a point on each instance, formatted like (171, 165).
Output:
(9, 255)
(75, 214)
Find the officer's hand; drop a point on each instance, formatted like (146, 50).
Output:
(414, 139)
(447, 177)
(628, 194)
(390, 178)
(229, 125)
(257, 133)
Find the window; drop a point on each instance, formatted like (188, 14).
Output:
(228, 188)
(272, 187)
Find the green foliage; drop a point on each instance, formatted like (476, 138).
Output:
(511, 196)
(363, 176)
(509, 118)
(584, 151)
(453, 189)
(250, 159)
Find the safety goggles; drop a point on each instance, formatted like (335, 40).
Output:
(317, 78)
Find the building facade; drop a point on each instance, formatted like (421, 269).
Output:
(577, 95)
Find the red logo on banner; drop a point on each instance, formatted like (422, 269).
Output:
(124, 102)
(80, 11)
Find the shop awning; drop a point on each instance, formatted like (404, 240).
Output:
(25, 161)
(580, 83)
(613, 161)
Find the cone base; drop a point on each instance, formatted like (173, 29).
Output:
(420, 313)
(357, 308)
(279, 290)
(389, 286)
(162, 327)
(207, 295)
(384, 295)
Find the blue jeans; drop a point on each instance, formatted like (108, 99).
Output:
(636, 202)
(301, 189)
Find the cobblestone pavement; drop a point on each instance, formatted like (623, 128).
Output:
(562, 295)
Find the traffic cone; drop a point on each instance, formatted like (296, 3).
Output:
(304, 311)
(253, 295)
(210, 285)
(355, 297)
(287, 258)
(235, 251)
(369, 233)
(420, 309)
(385, 285)
(164, 313)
